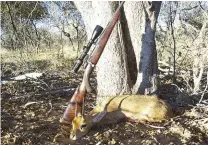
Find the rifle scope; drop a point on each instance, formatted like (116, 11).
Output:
(96, 33)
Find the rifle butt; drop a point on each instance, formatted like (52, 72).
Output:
(74, 106)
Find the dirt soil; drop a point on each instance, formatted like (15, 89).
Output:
(31, 109)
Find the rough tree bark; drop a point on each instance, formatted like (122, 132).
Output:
(141, 20)
(129, 61)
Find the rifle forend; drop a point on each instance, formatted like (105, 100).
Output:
(75, 104)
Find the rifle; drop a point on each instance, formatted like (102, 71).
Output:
(77, 100)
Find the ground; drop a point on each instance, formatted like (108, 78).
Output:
(31, 109)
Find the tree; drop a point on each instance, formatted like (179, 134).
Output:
(129, 61)
(186, 22)
(67, 20)
(18, 23)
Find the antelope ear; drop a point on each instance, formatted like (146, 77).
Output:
(98, 117)
(79, 115)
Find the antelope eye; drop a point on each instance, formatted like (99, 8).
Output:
(83, 126)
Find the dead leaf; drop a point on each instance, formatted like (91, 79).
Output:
(113, 142)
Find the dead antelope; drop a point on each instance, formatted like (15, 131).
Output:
(137, 108)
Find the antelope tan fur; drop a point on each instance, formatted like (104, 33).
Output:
(136, 108)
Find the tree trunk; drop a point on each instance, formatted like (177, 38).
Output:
(199, 58)
(141, 20)
(129, 61)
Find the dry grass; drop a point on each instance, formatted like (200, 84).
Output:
(15, 62)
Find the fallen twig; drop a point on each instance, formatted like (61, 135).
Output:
(157, 127)
(204, 91)
(28, 103)
(51, 92)
(50, 108)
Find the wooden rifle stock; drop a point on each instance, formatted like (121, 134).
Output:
(77, 100)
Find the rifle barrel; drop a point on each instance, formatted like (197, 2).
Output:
(105, 36)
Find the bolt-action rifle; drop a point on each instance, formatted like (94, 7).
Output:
(77, 100)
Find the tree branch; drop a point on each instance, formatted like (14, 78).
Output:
(187, 9)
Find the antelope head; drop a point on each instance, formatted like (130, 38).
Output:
(81, 124)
